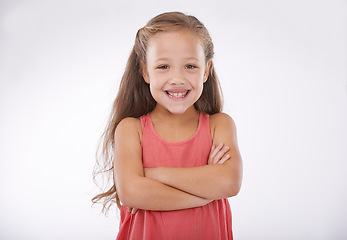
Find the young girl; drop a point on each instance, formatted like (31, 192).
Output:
(173, 154)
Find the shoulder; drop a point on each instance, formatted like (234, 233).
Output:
(129, 122)
(221, 118)
(129, 126)
(221, 123)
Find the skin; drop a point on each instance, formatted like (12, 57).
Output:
(176, 69)
(175, 62)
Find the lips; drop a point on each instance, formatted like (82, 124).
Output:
(177, 93)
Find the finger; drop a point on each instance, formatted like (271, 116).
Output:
(215, 151)
(209, 157)
(129, 209)
(220, 154)
(224, 159)
(134, 210)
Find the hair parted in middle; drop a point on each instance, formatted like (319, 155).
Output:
(134, 98)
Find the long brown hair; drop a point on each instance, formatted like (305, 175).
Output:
(134, 98)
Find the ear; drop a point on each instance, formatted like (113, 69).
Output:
(207, 70)
(144, 72)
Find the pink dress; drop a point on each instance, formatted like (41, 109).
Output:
(210, 222)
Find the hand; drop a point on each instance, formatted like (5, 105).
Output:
(132, 210)
(217, 154)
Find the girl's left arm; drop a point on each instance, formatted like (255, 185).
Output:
(213, 181)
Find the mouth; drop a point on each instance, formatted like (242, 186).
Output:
(175, 94)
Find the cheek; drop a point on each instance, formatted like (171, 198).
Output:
(156, 90)
(152, 88)
(152, 91)
(199, 80)
(198, 87)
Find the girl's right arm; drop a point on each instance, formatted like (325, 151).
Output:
(133, 188)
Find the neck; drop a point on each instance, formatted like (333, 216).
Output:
(163, 114)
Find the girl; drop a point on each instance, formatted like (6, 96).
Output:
(173, 154)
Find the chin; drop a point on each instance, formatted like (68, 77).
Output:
(178, 111)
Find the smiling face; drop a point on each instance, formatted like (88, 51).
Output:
(175, 70)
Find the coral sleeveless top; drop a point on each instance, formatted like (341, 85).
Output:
(209, 222)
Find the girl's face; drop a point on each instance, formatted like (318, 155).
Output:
(176, 70)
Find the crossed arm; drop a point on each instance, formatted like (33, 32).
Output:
(164, 189)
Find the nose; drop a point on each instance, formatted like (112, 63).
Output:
(177, 78)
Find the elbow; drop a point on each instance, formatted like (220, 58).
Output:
(231, 188)
(227, 187)
(127, 194)
(123, 195)
(234, 190)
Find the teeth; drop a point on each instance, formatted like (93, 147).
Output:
(177, 95)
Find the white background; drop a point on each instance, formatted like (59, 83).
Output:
(282, 66)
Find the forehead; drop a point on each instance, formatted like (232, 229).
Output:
(173, 44)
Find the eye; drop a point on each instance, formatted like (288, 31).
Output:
(163, 67)
(189, 66)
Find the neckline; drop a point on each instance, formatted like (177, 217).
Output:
(179, 142)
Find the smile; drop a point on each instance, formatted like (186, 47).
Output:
(177, 94)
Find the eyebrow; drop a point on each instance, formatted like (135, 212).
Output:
(186, 58)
